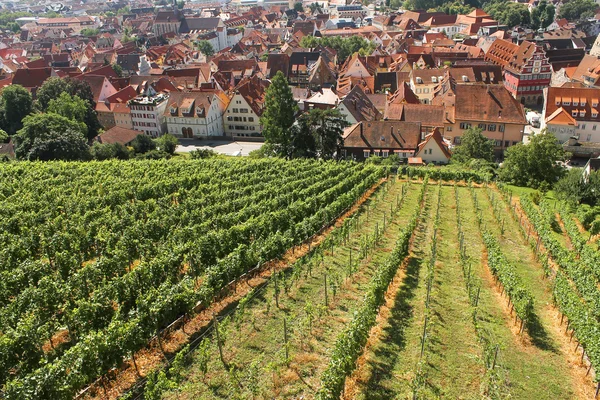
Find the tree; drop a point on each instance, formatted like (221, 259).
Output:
(298, 7)
(200, 154)
(327, 127)
(106, 151)
(278, 114)
(303, 140)
(315, 7)
(206, 48)
(573, 189)
(542, 15)
(4, 136)
(143, 144)
(167, 143)
(455, 8)
(343, 46)
(473, 145)
(69, 106)
(509, 13)
(15, 104)
(51, 137)
(52, 89)
(118, 69)
(578, 9)
(535, 163)
(90, 32)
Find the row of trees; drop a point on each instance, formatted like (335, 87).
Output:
(314, 134)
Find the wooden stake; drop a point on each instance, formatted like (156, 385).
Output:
(325, 282)
(219, 344)
(285, 340)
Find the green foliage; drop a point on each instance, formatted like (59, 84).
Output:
(69, 106)
(298, 6)
(90, 32)
(318, 133)
(532, 164)
(200, 154)
(448, 173)
(118, 69)
(8, 18)
(542, 15)
(15, 104)
(54, 87)
(573, 189)
(157, 384)
(473, 145)
(278, 116)
(109, 151)
(51, 136)
(343, 46)
(124, 10)
(508, 13)
(4, 136)
(167, 143)
(455, 8)
(143, 144)
(575, 10)
(205, 48)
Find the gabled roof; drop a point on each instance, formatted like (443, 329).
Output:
(404, 94)
(118, 134)
(32, 77)
(253, 91)
(435, 137)
(487, 103)
(561, 117)
(358, 104)
(199, 24)
(393, 135)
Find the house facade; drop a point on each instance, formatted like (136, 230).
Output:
(572, 111)
(196, 114)
(147, 113)
(382, 139)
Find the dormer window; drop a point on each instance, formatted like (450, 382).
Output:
(566, 102)
(582, 102)
(574, 113)
(582, 113)
(575, 103)
(173, 109)
(594, 114)
(434, 79)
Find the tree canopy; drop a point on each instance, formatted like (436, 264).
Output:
(542, 15)
(473, 145)
(15, 104)
(69, 106)
(278, 114)
(51, 136)
(167, 143)
(143, 144)
(574, 189)
(52, 89)
(205, 48)
(343, 46)
(298, 6)
(578, 9)
(534, 164)
(509, 13)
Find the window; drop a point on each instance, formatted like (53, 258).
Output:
(244, 110)
(250, 119)
(582, 126)
(501, 128)
(589, 137)
(235, 110)
(385, 153)
(457, 140)
(514, 143)
(593, 127)
(582, 102)
(506, 143)
(366, 153)
(448, 129)
(594, 103)
(574, 113)
(575, 102)
(582, 113)
(492, 127)
(465, 125)
(481, 126)
(498, 143)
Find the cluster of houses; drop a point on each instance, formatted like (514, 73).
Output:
(430, 77)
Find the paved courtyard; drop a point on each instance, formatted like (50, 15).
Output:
(235, 148)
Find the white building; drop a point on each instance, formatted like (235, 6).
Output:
(196, 114)
(147, 113)
(242, 116)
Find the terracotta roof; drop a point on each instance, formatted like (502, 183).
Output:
(566, 97)
(487, 103)
(404, 94)
(32, 77)
(359, 105)
(561, 117)
(589, 68)
(118, 134)
(122, 96)
(436, 136)
(426, 114)
(510, 56)
(393, 135)
(253, 90)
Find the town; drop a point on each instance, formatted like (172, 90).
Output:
(282, 199)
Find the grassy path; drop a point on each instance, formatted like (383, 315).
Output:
(390, 363)
(536, 365)
(253, 344)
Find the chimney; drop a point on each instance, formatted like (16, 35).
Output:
(209, 100)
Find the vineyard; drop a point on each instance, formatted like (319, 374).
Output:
(277, 279)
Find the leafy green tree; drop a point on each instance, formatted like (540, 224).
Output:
(535, 163)
(343, 46)
(509, 13)
(205, 48)
(69, 106)
(143, 144)
(90, 32)
(455, 8)
(106, 151)
(278, 114)
(298, 7)
(473, 145)
(304, 144)
(542, 15)
(327, 127)
(15, 104)
(4, 136)
(167, 143)
(124, 10)
(52, 89)
(51, 136)
(573, 189)
(575, 10)
(314, 7)
(118, 69)
(200, 154)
